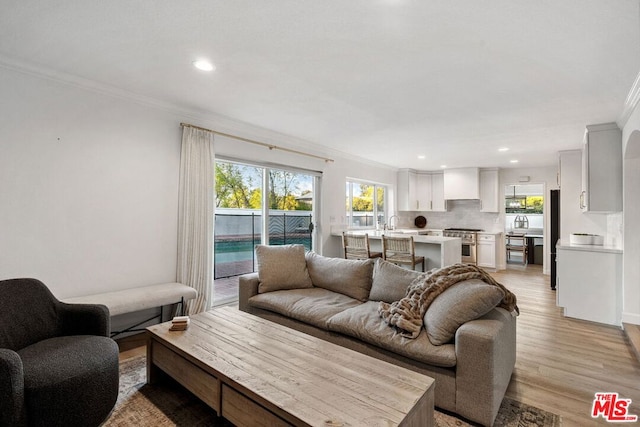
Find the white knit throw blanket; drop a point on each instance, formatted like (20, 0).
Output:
(407, 314)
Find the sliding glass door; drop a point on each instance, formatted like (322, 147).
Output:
(290, 208)
(257, 205)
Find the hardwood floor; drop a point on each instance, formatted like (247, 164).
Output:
(561, 362)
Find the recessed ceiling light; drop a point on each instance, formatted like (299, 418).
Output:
(513, 161)
(443, 166)
(503, 149)
(422, 156)
(203, 65)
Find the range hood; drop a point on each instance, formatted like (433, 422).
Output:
(462, 184)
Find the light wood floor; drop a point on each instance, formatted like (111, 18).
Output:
(561, 362)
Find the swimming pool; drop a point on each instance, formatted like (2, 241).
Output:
(241, 252)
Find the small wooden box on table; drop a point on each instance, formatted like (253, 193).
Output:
(255, 372)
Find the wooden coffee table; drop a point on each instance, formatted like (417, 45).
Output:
(254, 372)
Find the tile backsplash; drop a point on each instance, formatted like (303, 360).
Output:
(614, 230)
(460, 213)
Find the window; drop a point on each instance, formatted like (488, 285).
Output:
(365, 204)
(524, 199)
(257, 204)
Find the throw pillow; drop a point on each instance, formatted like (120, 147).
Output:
(464, 301)
(390, 281)
(282, 267)
(346, 276)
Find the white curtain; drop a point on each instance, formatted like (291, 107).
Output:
(196, 216)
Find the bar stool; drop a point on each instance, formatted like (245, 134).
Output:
(401, 250)
(517, 243)
(356, 246)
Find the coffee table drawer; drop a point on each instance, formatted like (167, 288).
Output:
(242, 411)
(194, 379)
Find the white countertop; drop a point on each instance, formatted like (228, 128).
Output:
(419, 238)
(438, 251)
(564, 244)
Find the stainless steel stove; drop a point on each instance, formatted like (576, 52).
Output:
(469, 237)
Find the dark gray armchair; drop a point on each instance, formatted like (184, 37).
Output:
(57, 365)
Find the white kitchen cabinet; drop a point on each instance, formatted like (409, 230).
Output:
(420, 191)
(486, 250)
(602, 169)
(489, 190)
(462, 183)
(589, 282)
(423, 192)
(438, 203)
(406, 190)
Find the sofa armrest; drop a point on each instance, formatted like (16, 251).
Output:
(486, 355)
(84, 319)
(12, 405)
(247, 287)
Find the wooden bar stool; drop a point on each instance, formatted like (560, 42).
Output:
(517, 243)
(401, 250)
(356, 246)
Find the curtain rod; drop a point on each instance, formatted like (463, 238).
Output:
(251, 141)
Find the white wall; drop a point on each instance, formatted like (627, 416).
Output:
(89, 184)
(88, 188)
(631, 198)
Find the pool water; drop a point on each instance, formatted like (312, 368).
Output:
(228, 251)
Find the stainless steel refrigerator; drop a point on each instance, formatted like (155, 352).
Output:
(554, 205)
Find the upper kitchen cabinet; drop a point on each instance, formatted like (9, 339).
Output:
(420, 191)
(489, 190)
(423, 192)
(407, 190)
(602, 169)
(438, 203)
(462, 183)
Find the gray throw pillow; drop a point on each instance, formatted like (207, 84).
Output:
(282, 267)
(464, 301)
(390, 282)
(346, 276)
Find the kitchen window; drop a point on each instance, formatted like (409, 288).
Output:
(365, 204)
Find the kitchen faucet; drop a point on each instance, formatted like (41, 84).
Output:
(391, 226)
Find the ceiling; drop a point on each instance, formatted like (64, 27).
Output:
(384, 80)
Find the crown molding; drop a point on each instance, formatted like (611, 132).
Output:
(630, 103)
(203, 118)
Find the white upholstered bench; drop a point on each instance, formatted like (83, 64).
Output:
(138, 299)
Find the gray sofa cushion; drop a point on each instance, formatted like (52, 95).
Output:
(314, 306)
(364, 322)
(390, 281)
(464, 301)
(282, 267)
(346, 276)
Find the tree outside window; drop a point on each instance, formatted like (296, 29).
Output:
(240, 186)
(365, 204)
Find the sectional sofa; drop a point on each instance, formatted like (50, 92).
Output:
(467, 344)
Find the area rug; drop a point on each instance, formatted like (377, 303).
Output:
(169, 404)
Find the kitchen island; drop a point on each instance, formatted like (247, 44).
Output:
(438, 251)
